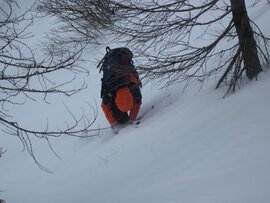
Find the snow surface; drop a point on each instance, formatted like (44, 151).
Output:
(192, 147)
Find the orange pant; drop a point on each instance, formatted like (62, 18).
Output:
(134, 112)
(109, 115)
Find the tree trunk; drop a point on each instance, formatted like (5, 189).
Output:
(246, 38)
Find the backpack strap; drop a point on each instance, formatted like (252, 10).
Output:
(108, 49)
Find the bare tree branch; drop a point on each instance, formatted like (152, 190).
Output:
(176, 40)
(24, 75)
(2, 151)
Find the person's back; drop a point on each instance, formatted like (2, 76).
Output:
(121, 95)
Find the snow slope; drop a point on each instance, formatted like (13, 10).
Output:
(192, 147)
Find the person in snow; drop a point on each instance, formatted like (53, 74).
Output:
(120, 92)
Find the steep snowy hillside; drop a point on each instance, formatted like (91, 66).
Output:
(192, 146)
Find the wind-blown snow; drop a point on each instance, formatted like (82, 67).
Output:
(192, 147)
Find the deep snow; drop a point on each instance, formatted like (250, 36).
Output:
(192, 147)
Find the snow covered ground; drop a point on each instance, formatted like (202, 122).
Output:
(192, 147)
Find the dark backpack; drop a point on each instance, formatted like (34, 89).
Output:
(117, 66)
